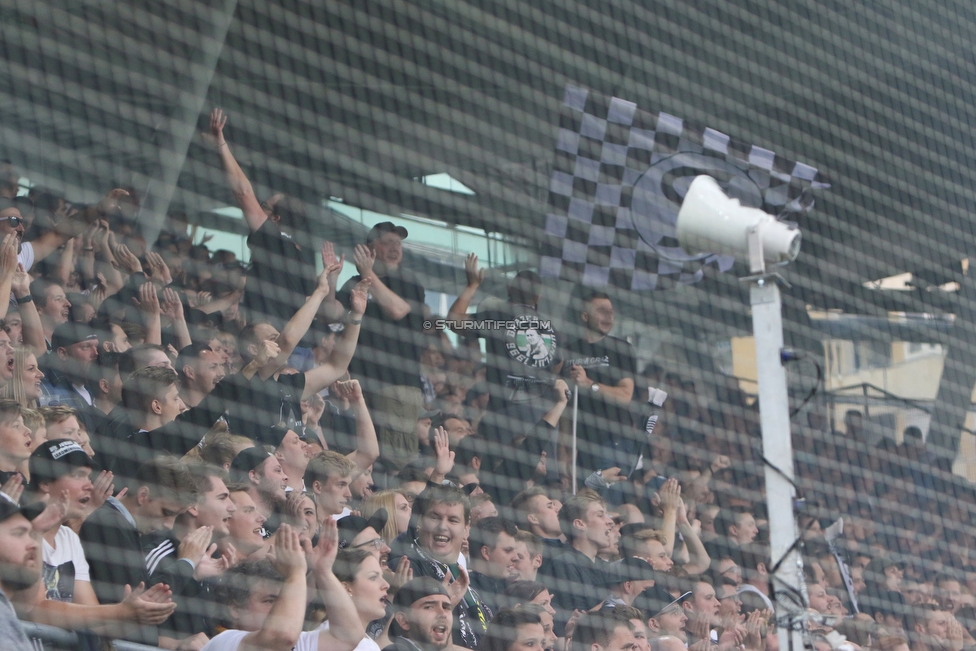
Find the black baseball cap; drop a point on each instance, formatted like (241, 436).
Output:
(272, 436)
(382, 228)
(56, 458)
(628, 569)
(352, 525)
(247, 460)
(416, 589)
(656, 601)
(9, 509)
(70, 333)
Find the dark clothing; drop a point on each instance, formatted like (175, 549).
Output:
(281, 277)
(401, 643)
(519, 358)
(388, 352)
(521, 349)
(575, 581)
(492, 590)
(195, 611)
(606, 433)
(129, 446)
(506, 470)
(115, 559)
(471, 616)
(257, 405)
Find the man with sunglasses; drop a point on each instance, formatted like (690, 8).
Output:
(12, 222)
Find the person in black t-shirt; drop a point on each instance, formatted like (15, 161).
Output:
(522, 352)
(387, 363)
(282, 271)
(603, 369)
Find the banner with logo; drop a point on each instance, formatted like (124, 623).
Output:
(619, 176)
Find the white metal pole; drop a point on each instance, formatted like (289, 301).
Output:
(575, 412)
(774, 417)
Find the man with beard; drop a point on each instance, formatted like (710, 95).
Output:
(261, 472)
(574, 574)
(422, 617)
(20, 568)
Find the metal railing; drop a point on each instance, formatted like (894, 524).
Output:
(59, 639)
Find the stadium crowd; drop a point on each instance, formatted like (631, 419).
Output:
(198, 454)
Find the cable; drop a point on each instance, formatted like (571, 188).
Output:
(791, 355)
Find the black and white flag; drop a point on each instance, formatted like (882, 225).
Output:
(619, 176)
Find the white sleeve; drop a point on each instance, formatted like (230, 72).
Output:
(226, 641)
(76, 553)
(26, 255)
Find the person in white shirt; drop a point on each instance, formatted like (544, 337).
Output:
(265, 600)
(60, 470)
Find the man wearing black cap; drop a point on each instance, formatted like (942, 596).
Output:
(422, 617)
(56, 466)
(627, 579)
(388, 360)
(261, 472)
(74, 348)
(20, 568)
(356, 532)
(668, 618)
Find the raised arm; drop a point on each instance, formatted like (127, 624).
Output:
(346, 631)
(149, 304)
(8, 269)
(173, 308)
(345, 346)
(698, 559)
(475, 276)
(393, 306)
(367, 446)
(298, 325)
(254, 214)
(31, 329)
(331, 309)
(75, 224)
(670, 498)
(283, 625)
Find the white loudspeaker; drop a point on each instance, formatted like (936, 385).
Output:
(709, 221)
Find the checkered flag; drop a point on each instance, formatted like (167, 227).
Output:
(619, 176)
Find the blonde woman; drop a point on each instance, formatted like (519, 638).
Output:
(25, 387)
(396, 504)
